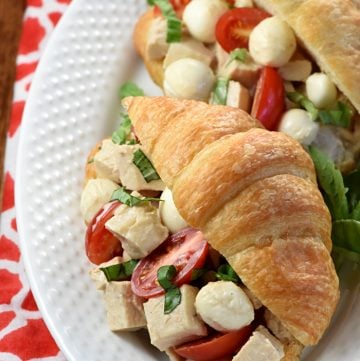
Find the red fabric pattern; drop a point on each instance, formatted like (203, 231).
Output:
(11, 286)
(25, 69)
(29, 302)
(5, 318)
(8, 249)
(29, 342)
(33, 33)
(16, 115)
(8, 194)
(55, 17)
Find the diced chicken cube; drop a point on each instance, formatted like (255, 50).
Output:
(124, 310)
(96, 193)
(238, 96)
(180, 326)
(247, 73)
(97, 275)
(130, 175)
(115, 162)
(188, 48)
(156, 45)
(139, 228)
(261, 346)
(106, 161)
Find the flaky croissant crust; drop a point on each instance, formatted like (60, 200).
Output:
(253, 193)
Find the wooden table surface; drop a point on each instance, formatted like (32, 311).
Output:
(11, 13)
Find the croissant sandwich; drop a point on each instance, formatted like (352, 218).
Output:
(291, 64)
(253, 193)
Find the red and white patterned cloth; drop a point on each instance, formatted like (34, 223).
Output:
(23, 334)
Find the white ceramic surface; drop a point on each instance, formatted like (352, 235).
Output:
(73, 104)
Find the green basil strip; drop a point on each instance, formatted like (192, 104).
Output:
(120, 136)
(165, 275)
(220, 91)
(130, 89)
(346, 234)
(302, 101)
(226, 273)
(172, 300)
(119, 272)
(145, 166)
(240, 54)
(173, 22)
(125, 197)
(196, 273)
(332, 184)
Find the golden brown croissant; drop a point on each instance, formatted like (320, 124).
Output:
(254, 195)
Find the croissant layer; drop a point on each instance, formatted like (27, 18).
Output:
(253, 193)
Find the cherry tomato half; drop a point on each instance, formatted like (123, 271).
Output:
(100, 244)
(234, 27)
(185, 250)
(213, 348)
(269, 100)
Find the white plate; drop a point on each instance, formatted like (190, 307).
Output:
(72, 105)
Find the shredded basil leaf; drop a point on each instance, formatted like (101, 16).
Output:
(172, 300)
(240, 54)
(173, 22)
(352, 182)
(130, 89)
(124, 197)
(302, 101)
(121, 135)
(145, 166)
(220, 91)
(332, 184)
(226, 273)
(196, 273)
(165, 275)
(119, 272)
(150, 2)
(340, 117)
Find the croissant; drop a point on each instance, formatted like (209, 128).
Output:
(254, 195)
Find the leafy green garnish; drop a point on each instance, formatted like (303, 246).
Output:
(124, 197)
(352, 182)
(174, 24)
(130, 89)
(240, 54)
(121, 135)
(332, 184)
(196, 273)
(302, 101)
(119, 272)
(345, 234)
(220, 91)
(340, 117)
(145, 166)
(172, 300)
(165, 275)
(226, 273)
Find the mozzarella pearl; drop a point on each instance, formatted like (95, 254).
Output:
(224, 306)
(201, 16)
(272, 42)
(321, 90)
(188, 79)
(170, 216)
(298, 124)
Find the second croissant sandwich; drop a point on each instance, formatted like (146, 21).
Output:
(253, 193)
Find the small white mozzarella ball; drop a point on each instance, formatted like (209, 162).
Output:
(170, 216)
(321, 90)
(201, 16)
(243, 4)
(298, 124)
(224, 306)
(188, 79)
(272, 42)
